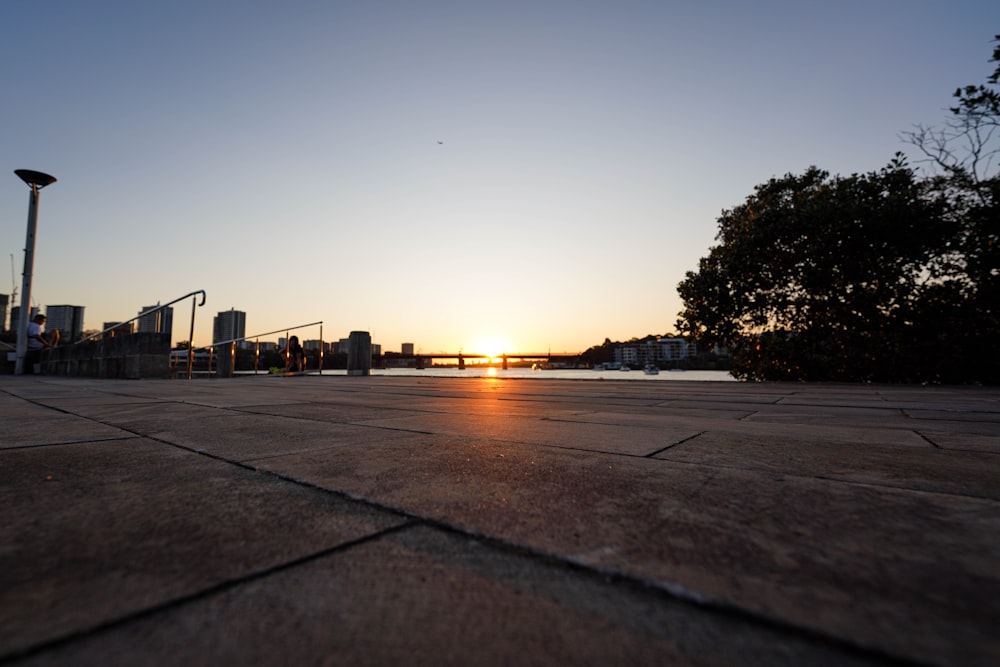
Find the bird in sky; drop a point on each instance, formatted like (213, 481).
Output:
(440, 142)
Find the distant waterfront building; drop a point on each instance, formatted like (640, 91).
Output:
(343, 346)
(161, 321)
(67, 319)
(407, 349)
(15, 316)
(315, 344)
(4, 302)
(653, 350)
(229, 325)
(116, 328)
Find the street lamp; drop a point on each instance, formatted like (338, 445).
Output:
(36, 180)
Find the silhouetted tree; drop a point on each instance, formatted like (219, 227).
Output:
(881, 276)
(814, 273)
(964, 156)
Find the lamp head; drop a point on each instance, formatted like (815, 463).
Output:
(35, 178)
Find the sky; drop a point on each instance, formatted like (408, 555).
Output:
(477, 176)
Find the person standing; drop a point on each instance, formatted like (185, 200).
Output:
(38, 341)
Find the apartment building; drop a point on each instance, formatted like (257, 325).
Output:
(654, 350)
(67, 319)
(161, 321)
(229, 325)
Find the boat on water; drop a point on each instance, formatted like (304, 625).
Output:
(651, 369)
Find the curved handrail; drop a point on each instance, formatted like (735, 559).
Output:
(266, 333)
(150, 312)
(256, 337)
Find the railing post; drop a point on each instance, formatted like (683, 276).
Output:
(191, 341)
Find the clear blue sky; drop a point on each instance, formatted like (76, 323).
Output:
(284, 156)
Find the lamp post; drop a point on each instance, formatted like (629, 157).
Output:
(36, 180)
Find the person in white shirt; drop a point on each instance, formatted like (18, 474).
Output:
(38, 341)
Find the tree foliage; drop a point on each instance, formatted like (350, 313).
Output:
(883, 276)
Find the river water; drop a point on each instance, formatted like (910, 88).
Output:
(558, 374)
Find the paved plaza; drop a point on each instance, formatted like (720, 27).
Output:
(334, 520)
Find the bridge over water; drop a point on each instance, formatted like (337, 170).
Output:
(504, 357)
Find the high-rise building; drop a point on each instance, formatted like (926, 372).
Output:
(67, 319)
(4, 302)
(229, 325)
(162, 321)
(15, 315)
(407, 349)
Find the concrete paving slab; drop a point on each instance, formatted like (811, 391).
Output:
(328, 412)
(42, 389)
(426, 597)
(97, 398)
(886, 417)
(955, 416)
(635, 440)
(675, 410)
(746, 538)
(838, 400)
(94, 533)
(379, 407)
(63, 429)
(27, 424)
(846, 533)
(145, 417)
(249, 437)
(931, 469)
(816, 433)
(964, 441)
(14, 408)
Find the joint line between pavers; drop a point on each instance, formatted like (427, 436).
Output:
(674, 444)
(204, 593)
(92, 441)
(671, 590)
(928, 440)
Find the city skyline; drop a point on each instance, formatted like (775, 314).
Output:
(466, 176)
(227, 325)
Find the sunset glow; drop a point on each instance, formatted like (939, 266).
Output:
(490, 176)
(494, 347)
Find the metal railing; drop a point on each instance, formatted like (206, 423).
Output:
(256, 338)
(157, 311)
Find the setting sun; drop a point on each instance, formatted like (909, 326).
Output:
(494, 348)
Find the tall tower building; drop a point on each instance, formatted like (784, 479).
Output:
(15, 316)
(68, 319)
(161, 321)
(229, 325)
(4, 302)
